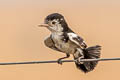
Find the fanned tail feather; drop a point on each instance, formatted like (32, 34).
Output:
(89, 53)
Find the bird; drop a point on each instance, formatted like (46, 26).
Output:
(65, 40)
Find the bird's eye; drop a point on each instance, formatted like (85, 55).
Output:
(53, 22)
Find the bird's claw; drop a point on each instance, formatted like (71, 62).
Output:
(59, 61)
(79, 60)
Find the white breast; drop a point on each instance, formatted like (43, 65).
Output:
(57, 37)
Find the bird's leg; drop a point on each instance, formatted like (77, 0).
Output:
(59, 60)
(78, 55)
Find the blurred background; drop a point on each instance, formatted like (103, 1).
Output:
(97, 21)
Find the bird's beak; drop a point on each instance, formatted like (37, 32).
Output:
(43, 25)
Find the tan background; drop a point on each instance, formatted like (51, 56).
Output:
(97, 21)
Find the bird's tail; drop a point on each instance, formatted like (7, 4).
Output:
(89, 53)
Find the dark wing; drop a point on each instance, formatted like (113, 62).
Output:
(49, 43)
(77, 40)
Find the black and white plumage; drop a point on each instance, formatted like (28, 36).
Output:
(63, 39)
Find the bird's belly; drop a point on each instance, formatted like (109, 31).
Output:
(65, 47)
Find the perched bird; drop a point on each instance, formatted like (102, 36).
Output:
(63, 39)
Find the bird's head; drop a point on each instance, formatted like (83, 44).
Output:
(55, 23)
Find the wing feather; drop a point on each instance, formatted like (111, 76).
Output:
(49, 43)
(77, 40)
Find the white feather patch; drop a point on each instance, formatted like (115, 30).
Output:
(73, 35)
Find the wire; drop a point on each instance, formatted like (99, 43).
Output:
(55, 61)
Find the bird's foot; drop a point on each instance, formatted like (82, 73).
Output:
(59, 61)
(79, 60)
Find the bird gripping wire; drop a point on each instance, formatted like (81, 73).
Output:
(55, 61)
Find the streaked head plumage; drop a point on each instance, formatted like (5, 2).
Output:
(56, 22)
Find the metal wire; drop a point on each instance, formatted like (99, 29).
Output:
(55, 61)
